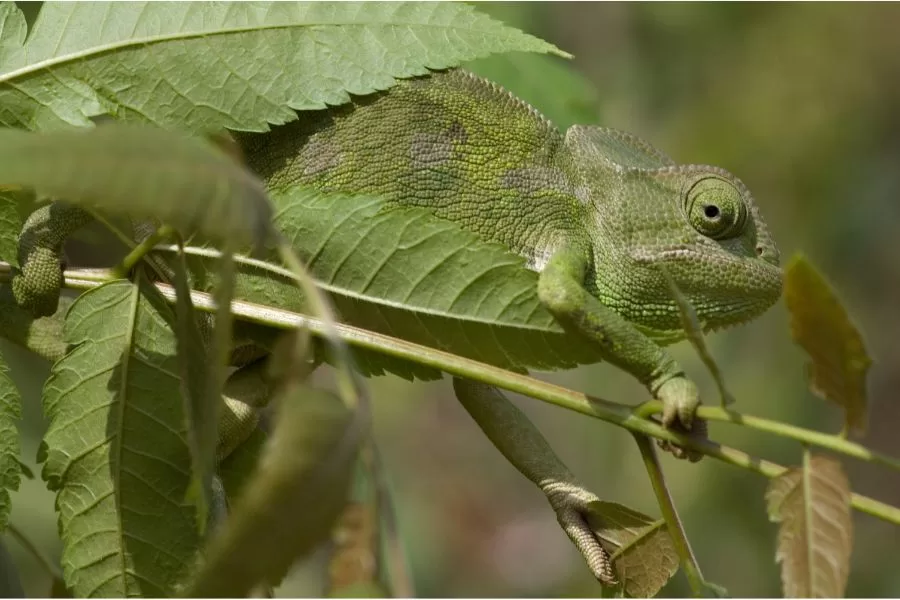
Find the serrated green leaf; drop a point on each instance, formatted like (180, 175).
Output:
(296, 494)
(823, 328)
(10, 471)
(640, 547)
(552, 86)
(815, 536)
(116, 448)
(205, 65)
(141, 172)
(406, 273)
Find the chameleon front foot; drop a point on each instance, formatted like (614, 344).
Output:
(680, 400)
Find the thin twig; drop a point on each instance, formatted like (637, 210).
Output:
(611, 412)
(52, 570)
(670, 514)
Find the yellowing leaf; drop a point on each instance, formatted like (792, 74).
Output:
(815, 538)
(353, 568)
(822, 327)
(640, 547)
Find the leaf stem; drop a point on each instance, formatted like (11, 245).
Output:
(835, 443)
(670, 514)
(140, 251)
(611, 412)
(52, 570)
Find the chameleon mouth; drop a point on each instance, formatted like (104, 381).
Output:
(743, 288)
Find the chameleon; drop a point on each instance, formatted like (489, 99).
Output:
(602, 217)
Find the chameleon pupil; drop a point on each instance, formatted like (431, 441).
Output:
(711, 211)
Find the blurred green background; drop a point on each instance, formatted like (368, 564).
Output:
(802, 101)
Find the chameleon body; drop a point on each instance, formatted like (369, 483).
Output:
(594, 211)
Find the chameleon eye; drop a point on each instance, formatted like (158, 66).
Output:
(715, 208)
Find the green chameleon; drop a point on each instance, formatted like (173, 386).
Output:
(595, 212)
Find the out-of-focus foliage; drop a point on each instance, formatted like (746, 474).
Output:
(821, 326)
(800, 101)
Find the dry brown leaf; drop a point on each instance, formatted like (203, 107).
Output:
(641, 549)
(815, 538)
(822, 327)
(354, 561)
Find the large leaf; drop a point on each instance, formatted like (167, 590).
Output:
(295, 496)
(406, 273)
(141, 172)
(204, 65)
(10, 471)
(640, 547)
(815, 537)
(116, 448)
(821, 326)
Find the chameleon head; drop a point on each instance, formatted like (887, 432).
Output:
(650, 217)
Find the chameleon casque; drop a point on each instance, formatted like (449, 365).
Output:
(594, 211)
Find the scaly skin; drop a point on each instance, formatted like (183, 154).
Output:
(595, 212)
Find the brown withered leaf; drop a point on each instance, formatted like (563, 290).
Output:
(353, 568)
(640, 547)
(815, 538)
(822, 327)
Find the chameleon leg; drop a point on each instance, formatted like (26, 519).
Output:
(246, 393)
(562, 291)
(37, 282)
(523, 446)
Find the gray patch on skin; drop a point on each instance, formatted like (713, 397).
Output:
(319, 155)
(530, 180)
(583, 194)
(458, 133)
(436, 149)
(430, 150)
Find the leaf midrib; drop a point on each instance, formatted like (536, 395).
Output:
(373, 300)
(48, 63)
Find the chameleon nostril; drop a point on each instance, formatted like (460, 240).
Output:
(759, 250)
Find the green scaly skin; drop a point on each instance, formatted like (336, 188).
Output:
(594, 211)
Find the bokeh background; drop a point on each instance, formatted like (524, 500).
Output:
(802, 101)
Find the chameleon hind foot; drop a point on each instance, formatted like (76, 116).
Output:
(514, 435)
(571, 503)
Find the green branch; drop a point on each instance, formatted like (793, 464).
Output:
(670, 514)
(611, 412)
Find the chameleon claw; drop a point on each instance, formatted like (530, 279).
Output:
(571, 504)
(680, 400)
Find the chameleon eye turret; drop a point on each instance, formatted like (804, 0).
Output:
(716, 208)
